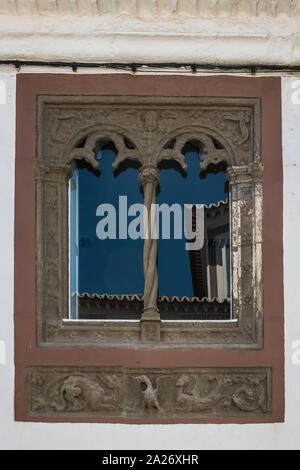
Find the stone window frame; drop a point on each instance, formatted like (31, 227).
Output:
(62, 121)
(81, 383)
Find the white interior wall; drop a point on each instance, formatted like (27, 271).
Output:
(18, 435)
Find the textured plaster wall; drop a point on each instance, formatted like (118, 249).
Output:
(17, 435)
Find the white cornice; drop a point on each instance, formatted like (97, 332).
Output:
(159, 9)
(202, 31)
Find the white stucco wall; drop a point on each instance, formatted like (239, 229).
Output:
(17, 435)
(202, 31)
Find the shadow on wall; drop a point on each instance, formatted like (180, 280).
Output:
(2, 92)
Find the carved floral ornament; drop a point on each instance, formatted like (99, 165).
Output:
(149, 130)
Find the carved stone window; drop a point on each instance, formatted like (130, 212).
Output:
(164, 365)
(149, 131)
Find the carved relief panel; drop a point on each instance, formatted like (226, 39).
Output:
(149, 393)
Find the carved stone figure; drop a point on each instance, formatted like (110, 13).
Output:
(188, 398)
(149, 392)
(240, 392)
(79, 392)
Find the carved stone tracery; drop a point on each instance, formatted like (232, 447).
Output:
(229, 130)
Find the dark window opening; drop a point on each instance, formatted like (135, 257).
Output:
(103, 268)
(196, 280)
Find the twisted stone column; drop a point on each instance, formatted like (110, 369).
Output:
(149, 179)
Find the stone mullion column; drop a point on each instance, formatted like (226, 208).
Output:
(150, 320)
